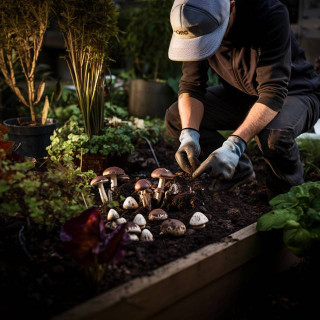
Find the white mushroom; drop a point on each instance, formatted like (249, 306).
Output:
(112, 225)
(112, 215)
(162, 174)
(112, 173)
(121, 221)
(140, 220)
(173, 226)
(132, 227)
(133, 237)
(198, 220)
(99, 181)
(130, 203)
(146, 235)
(143, 187)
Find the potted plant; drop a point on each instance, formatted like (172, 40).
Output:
(23, 24)
(87, 27)
(146, 41)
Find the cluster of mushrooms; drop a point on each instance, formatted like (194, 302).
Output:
(137, 229)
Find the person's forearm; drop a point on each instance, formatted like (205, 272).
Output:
(258, 118)
(190, 111)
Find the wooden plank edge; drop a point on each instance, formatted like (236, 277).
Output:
(125, 294)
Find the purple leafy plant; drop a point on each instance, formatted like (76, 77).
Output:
(85, 239)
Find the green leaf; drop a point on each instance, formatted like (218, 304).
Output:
(276, 219)
(298, 240)
(4, 186)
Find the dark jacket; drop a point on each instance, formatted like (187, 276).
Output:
(260, 56)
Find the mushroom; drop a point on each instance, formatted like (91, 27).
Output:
(174, 189)
(198, 220)
(173, 227)
(146, 235)
(130, 203)
(112, 225)
(121, 221)
(140, 220)
(162, 174)
(143, 187)
(112, 173)
(157, 215)
(132, 227)
(99, 181)
(112, 215)
(123, 177)
(133, 237)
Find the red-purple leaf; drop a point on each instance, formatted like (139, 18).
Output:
(6, 145)
(3, 129)
(112, 249)
(82, 235)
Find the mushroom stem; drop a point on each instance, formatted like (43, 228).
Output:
(161, 183)
(113, 181)
(103, 195)
(147, 196)
(143, 198)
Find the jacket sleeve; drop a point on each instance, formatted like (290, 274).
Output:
(194, 79)
(274, 62)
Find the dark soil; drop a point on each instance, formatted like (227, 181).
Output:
(38, 279)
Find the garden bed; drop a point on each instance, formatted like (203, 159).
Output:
(49, 282)
(202, 284)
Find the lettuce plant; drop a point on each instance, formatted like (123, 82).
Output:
(298, 214)
(85, 238)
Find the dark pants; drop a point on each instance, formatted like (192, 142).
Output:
(225, 109)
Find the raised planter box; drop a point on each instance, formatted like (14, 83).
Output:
(201, 285)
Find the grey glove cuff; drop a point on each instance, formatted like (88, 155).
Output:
(188, 135)
(237, 144)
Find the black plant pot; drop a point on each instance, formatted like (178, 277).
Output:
(149, 98)
(31, 141)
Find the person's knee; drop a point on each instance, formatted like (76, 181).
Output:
(273, 142)
(172, 121)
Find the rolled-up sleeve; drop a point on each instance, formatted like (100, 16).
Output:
(274, 64)
(194, 79)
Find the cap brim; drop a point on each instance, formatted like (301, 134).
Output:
(199, 48)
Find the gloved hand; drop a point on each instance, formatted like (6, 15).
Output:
(223, 162)
(189, 150)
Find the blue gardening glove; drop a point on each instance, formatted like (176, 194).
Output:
(189, 150)
(223, 162)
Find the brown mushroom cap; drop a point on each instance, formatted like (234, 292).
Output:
(123, 177)
(157, 215)
(99, 179)
(173, 226)
(162, 173)
(113, 171)
(142, 184)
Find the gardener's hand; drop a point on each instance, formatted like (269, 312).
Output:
(189, 150)
(222, 162)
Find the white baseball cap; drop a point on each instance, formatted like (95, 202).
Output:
(198, 28)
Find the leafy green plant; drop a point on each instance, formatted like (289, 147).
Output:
(117, 138)
(298, 214)
(87, 26)
(63, 103)
(309, 154)
(23, 24)
(47, 198)
(147, 37)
